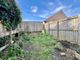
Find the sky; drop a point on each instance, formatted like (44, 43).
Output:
(40, 10)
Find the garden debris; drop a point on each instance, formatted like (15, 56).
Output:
(62, 53)
(70, 51)
(65, 55)
(72, 46)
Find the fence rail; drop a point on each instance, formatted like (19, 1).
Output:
(6, 33)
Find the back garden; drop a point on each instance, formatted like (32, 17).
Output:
(29, 46)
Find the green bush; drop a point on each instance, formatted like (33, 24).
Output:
(9, 14)
(4, 40)
(14, 52)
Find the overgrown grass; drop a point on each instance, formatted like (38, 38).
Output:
(39, 47)
(42, 46)
(14, 51)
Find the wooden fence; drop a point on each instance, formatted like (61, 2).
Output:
(4, 33)
(68, 29)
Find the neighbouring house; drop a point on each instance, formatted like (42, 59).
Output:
(54, 18)
(32, 26)
(57, 16)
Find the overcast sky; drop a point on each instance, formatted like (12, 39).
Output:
(39, 10)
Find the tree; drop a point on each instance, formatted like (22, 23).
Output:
(9, 14)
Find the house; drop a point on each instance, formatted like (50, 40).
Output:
(57, 16)
(32, 26)
(52, 20)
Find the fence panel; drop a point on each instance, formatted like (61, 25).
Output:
(68, 30)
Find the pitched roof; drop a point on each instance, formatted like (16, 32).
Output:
(57, 16)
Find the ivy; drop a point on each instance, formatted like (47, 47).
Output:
(13, 52)
(9, 14)
(4, 40)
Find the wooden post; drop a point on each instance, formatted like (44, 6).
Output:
(49, 28)
(11, 41)
(1, 26)
(78, 32)
(44, 30)
(58, 31)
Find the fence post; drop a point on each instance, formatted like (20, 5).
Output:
(49, 28)
(57, 30)
(11, 41)
(44, 29)
(78, 32)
